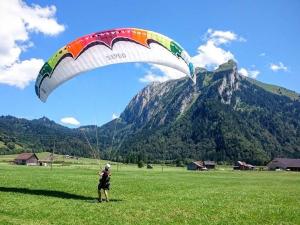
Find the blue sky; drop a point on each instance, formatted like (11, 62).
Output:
(262, 36)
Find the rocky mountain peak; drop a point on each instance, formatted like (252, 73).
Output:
(156, 103)
(159, 103)
(230, 65)
(230, 80)
(44, 119)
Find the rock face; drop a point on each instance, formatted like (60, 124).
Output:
(224, 117)
(230, 82)
(159, 103)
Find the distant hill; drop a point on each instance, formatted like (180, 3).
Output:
(38, 135)
(224, 117)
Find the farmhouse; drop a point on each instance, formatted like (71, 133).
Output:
(201, 165)
(27, 159)
(209, 164)
(243, 166)
(197, 165)
(284, 164)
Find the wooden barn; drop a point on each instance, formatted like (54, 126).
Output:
(209, 164)
(27, 159)
(243, 166)
(197, 165)
(45, 162)
(201, 165)
(284, 164)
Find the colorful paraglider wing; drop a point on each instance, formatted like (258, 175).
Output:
(110, 47)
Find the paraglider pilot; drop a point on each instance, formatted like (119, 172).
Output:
(104, 182)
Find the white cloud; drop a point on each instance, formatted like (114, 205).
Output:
(115, 116)
(211, 54)
(17, 21)
(222, 37)
(276, 67)
(21, 73)
(159, 73)
(70, 121)
(249, 73)
(151, 77)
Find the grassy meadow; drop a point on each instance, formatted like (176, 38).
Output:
(67, 195)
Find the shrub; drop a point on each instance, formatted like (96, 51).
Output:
(140, 164)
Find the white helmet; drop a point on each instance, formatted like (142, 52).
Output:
(107, 166)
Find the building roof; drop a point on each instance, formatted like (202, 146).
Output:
(287, 162)
(240, 163)
(198, 163)
(25, 156)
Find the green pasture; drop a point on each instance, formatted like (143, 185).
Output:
(66, 195)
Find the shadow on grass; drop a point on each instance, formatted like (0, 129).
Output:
(50, 193)
(104, 202)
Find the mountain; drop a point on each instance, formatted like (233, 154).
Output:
(224, 117)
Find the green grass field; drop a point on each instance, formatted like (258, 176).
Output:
(66, 195)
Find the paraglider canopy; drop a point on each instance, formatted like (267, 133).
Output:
(110, 47)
